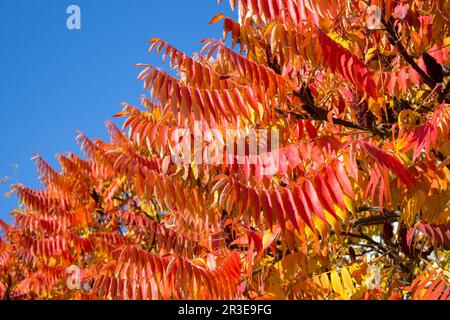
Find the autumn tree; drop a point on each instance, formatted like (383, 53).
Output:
(357, 204)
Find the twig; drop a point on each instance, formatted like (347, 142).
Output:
(365, 237)
(380, 248)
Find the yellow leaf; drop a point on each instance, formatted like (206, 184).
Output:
(337, 38)
(215, 200)
(349, 204)
(269, 28)
(335, 223)
(325, 281)
(336, 284)
(347, 281)
(268, 239)
(341, 214)
(117, 202)
(370, 54)
(195, 172)
(200, 262)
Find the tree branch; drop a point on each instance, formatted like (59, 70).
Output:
(401, 49)
(366, 238)
(377, 209)
(315, 112)
(376, 220)
(337, 121)
(378, 246)
(386, 215)
(443, 94)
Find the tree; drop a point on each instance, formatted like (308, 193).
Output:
(356, 95)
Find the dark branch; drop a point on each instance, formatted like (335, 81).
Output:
(378, 246)
(395, 39)
(377, 209)
(340, 122)
(366, 238)
(385, 215)
(376, 220)
(443, 94)
(315, 112)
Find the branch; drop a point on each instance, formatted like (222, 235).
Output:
(376, 220)
(378, 246)
(378, 209)
(401, 49)
(386, 215)
(367, 238)
(337, 121)
(317, 113)
(309, 107)
(443, 95)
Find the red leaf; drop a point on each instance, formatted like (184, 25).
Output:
(391, 163)
(240, 103)
(255, 204)
(312, 131)
(290, 207)
(351, 68)
(267, 207)
(324, 195)
(313, 198)
(342, 177)
(277, 205)
(292, 156)
(252, 99)
(302, 206)
(334, 186)
(438, 233)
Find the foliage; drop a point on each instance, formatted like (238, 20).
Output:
(358, 207)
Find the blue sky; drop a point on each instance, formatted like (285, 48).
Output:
(54, 81)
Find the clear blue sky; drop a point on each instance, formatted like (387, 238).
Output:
(54, 81)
